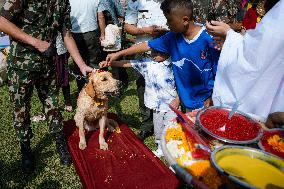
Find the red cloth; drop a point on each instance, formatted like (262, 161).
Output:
(250, 19)
(127, 164)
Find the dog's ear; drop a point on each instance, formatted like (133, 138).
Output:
(90, 88)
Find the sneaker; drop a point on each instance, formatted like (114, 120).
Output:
(39, 117)
(158, 153)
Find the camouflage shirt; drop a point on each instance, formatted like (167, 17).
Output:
(228, 11)
(41, 19)
(200, 10)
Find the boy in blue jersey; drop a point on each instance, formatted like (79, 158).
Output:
(192, 53)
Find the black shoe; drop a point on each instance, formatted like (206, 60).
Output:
(144, 134)
(28, 164)
(61, 147)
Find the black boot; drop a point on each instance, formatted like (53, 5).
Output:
(61, 147)
(27, 157)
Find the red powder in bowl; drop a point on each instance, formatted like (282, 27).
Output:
(239, 128)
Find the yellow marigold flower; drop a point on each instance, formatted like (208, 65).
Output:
(277, 143)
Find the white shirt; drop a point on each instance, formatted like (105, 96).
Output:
(84, 15)
(251, 67)
(159, 83)
(144, 13)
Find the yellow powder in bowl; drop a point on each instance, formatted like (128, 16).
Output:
(254, 171)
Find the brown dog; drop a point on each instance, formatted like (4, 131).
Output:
(92, 106)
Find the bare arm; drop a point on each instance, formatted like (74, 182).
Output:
(121, 63)
(14, 31)
(74, 52)
(150, 30)
(102, 24)
(133, 30)
(135, 49)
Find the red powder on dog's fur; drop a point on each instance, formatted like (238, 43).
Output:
(238, 128)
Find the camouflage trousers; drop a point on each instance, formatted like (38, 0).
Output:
(21, 84)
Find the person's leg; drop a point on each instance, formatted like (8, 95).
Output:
(65, 86)
(50, 91)
(40, 116)
(93, 51)
(67, 98)
(158, 120)
(123, 77)
(146, 113)
(82, 47)
(20, 90)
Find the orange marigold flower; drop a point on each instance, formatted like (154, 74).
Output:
(277, 143)
(204, 171)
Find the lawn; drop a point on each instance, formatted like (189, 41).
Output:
(49, 173)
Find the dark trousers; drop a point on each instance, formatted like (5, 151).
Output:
(89, 47)
(146, 113)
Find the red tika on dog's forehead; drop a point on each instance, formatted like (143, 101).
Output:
(102, 72)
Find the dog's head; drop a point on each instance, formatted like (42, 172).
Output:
(101, 84)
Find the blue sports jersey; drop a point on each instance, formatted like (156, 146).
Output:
(194, 65)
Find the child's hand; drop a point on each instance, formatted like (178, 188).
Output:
(112, 57)
(208, 102)
(175, 103)
(103, 64)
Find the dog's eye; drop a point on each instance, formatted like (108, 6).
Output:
(104, 79)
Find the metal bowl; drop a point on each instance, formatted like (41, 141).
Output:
(198, 122)
(221, 152)
(260, 142)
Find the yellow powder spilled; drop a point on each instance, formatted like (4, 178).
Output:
(254, 171)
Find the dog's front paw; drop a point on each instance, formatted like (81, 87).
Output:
(82, 145)
(103, 145)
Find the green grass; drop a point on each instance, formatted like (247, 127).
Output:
(49, 173)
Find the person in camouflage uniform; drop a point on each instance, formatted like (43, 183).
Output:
(33, 26)
(228, 11)
(201, 10)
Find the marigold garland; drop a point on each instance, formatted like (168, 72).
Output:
(277, 143)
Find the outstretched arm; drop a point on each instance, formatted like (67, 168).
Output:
(121, 63)
(139, 48)
(74, 52)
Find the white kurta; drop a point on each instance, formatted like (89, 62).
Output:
(251, 67)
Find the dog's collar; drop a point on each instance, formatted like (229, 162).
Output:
(99, 103)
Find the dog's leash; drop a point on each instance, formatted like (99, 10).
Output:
(81, 77)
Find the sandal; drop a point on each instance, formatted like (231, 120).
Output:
(68, 108)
